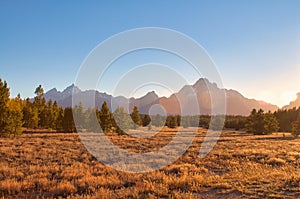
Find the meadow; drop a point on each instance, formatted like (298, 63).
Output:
(57, 165)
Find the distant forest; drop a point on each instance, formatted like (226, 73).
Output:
(17, 114)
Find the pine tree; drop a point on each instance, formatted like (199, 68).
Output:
(4, 111)
(51, 115)
(59, 119)
(171, 121)
(40, 103)
(30, 115)
(122, 121)
(79, 116)
(47, 116)
(259, 123)
(92, 123)
(185, 122)
(15, 116)
(296, 127)
(286, 118)
(38, 99)
(68, 121)
(216, 123)
(255, 122)
(55, 112)
(105, 118)
(146, 120)
(135, 116)
(178, 120)
(270, 123)
(158, 120)
(43, 114)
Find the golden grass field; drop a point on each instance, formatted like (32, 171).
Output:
(55, 165)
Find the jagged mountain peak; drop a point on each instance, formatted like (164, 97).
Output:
(71, 89)
(150, 94)
(53, 90)
(201, 81)
(205, 84)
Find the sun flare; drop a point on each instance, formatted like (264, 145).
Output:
(287, 97)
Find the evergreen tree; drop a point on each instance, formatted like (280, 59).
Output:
(122, 120)
(185, 121)
(88, 119)
(255, 122)
(296, 127)
(286, 118)
(178, 120)
(40, 104)
(235, 122)
(38, 99)
(55, 113)
(79, 116)
(259, 123)
(135, 116)
(216, 123)
(4, 111)
(270, 123)
(59, 119)
(30, 115)
(146, 120)
(105, 118)
(92, 123)
(43, 113)
(171, 121)
(51, 114)
(204, 121)
(15, 116)
(68, 121)
(241, 123)
(47, 116)
(158, 120)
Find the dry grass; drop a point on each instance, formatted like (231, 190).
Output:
(57, 165)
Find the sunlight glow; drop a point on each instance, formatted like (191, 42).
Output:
(287, 97)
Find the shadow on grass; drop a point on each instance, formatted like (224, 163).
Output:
(275, 138)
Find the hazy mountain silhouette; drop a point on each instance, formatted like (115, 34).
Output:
(237, 104)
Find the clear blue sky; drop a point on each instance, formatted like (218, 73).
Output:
(255, 44)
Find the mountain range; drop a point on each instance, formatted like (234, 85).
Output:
(237, 104)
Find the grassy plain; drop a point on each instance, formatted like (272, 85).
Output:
(47, 165)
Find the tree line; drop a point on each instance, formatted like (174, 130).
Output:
(37, 113)
(282, 120)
